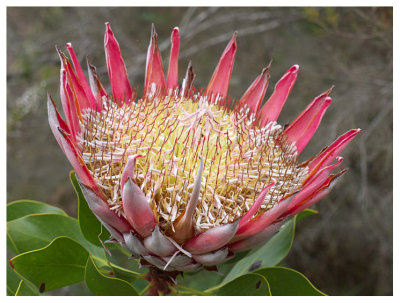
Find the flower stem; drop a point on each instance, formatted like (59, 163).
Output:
(160, 282)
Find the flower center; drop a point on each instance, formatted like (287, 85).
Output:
(170, 134)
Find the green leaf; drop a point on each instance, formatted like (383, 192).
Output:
(13, 281)
(251, 284)
(120, 257)
(269, 254)
(90, 227)
(200, 280)
(20, 208)
(59, 264)
(24, 289)
(288, 282)
(38, 230)
(18, 287)
(305, 213)
(102, 285)
(124, 274)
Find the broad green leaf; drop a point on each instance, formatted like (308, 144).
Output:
(200, 280)
(38, 230)
(305, 213)
(16, 286)
(24, 289)
(251, 284)
(13, 281)
(102, 285)
(125, 268)
(90, 227)
(11, 246)
(124, 274)
(59, 264)
(269, 254)
(120, 257)
(20, 208)
(288, 282)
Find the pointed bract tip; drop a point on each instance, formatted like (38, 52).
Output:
(62, 56)
(329, 91)
(49, 98)
(234, 39)
(108, 30)
(265, 71)
(129, 169)
(50, 102)
(68, 44)
(335, 177)
(351, 133)
(339, 160)
(328, 100)
(60, 53)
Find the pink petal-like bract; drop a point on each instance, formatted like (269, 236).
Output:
(95, 85)
(154, 68)
(172, 77)
(212, 239)
(220, 79)
(129, 169)
(69, 105)
(314, 184)
(317, 195)
(55, 119)
(254, 95)
(257, 204)
(260, 222)
(137, 209)
(102, 211)
(82, 79)
(76, 160)
(75, 85)
(327, 155)
(301, 130)
(121, 89)
(272, 108)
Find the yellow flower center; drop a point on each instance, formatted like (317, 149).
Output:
(171, 134)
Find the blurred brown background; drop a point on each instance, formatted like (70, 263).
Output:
(344, 250)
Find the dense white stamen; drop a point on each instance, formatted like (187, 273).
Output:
(171, 133)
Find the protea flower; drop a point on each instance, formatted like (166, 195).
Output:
(181, 178)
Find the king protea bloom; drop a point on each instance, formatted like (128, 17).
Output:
(182, 178)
